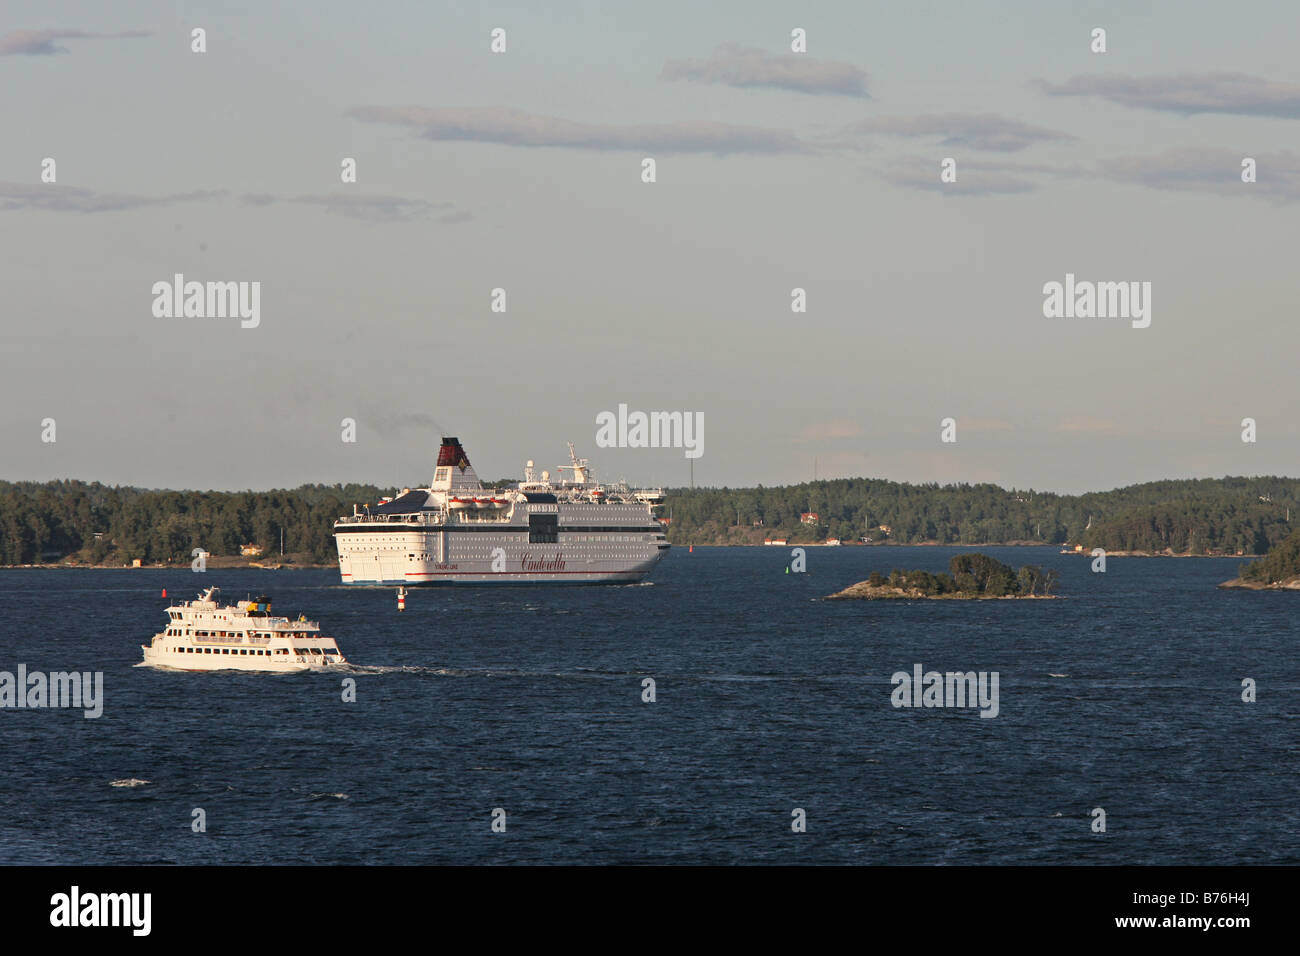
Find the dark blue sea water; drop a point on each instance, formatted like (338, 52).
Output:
(768, 699)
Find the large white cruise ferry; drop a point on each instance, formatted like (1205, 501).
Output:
(571, 530)
(203, 635)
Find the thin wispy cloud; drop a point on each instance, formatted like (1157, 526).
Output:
(1088, 424)
(1188, 93)
(829, 431)
(984, 131)
(42, 42)
(55, 198)
(987, 185)
(1209, 169)
(974, 177)
(985, 425)
(1187, 169)
(748, 67)
(371, 208)
(512, 127)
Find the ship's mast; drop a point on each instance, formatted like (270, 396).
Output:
(581, 473)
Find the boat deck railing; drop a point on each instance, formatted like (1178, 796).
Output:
(420, 517)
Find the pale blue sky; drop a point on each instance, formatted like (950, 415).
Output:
(923, 303)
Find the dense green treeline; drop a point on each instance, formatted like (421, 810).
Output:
(44, 521)
(41, 521)
(1197, 516)
(1280, 564)
(1192, 527)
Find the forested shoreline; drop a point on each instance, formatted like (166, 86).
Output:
(1279, 568)
(1233, 516)
(91, 523)
(58, 520)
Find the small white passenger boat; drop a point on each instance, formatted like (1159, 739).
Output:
(204, 635)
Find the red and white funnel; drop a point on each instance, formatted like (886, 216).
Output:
(453, 470)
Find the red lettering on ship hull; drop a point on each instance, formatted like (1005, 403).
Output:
(529, 563)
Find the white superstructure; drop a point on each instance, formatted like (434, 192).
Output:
(571, 530)
(204, 635)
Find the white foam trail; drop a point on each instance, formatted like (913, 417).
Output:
(395, 669)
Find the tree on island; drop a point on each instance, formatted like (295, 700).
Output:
(1280, 563)
(972, 575)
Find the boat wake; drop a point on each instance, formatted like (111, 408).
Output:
(434, 671)
(394, 669)
(592, 674)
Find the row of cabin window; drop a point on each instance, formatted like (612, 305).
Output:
(543, 538)
(538, 538)
(550, 540)
(177, 632)
(255, 651)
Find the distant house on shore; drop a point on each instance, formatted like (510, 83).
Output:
(809, 517)
(250, 550)
(776, 541)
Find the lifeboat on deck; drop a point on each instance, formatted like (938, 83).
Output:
(457, 504)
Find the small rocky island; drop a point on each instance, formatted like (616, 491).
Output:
(971, 577)
(1278, 570)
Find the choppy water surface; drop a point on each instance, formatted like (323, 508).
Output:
(768, 699)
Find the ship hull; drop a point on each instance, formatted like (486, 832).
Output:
(403, 561)
(170, 655)
(495, 579)
(171, 665)
(375, 554)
